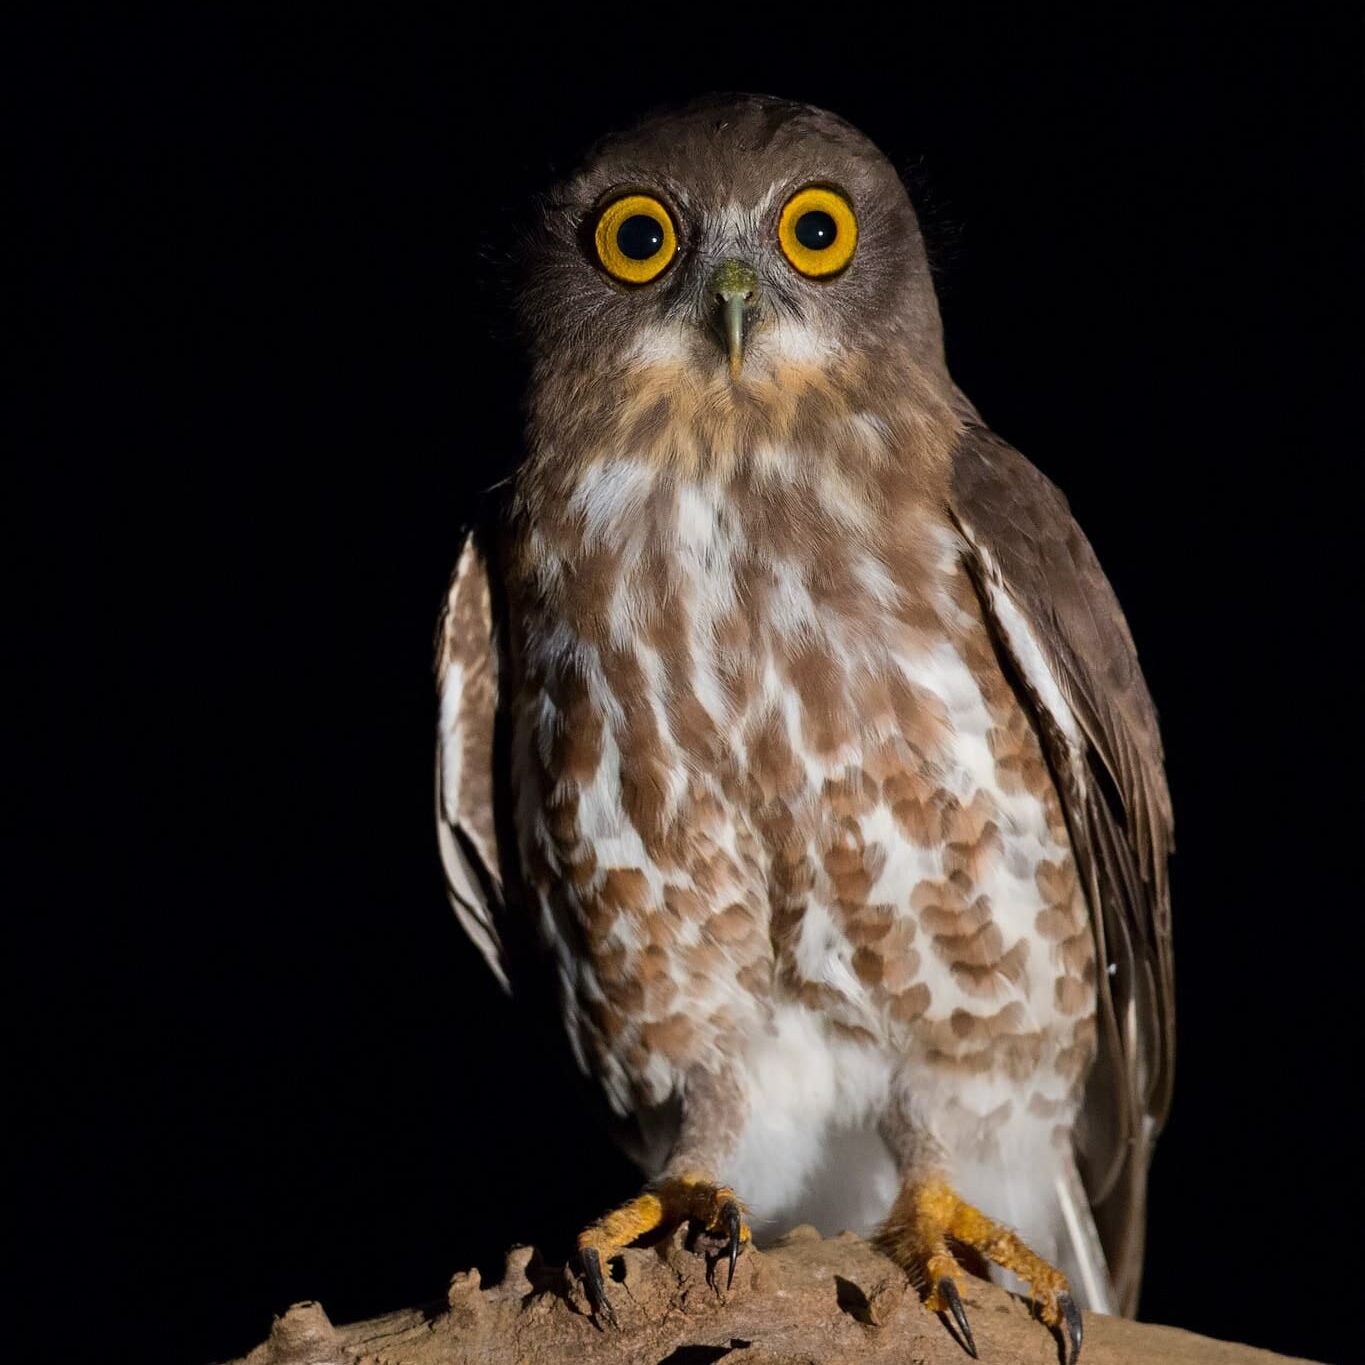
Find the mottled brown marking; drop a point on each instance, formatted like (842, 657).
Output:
(851, 796)
(943, 911)
(983, 948)
(922, 811)
(922, 716)
(756, 977)
(731, 924)
(909, 1005)
(969, 1024)
(1056, 882)
(1054, 923)
(1072, 1062)
(581, 870)
(624, 888)
(900, 962)
(1041, 1107)
(670, 1036)
(1078, 953)
(772, 763)
(825, 715)
(1072, 995)
(987, 979)
(973, 857)
(867, 924)
(683, 902)
(867, 964)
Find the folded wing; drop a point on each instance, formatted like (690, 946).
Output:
(1060, 630)
(467, 824)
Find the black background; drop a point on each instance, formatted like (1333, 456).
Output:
(266, 354)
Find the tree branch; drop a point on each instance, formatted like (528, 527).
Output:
(806, 1301)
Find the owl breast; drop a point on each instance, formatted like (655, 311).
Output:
(767, 761)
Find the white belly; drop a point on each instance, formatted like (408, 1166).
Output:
(810, 1151)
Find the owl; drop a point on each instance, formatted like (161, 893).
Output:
(787, 710)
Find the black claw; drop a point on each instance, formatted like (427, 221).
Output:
(730, 1218)
(597, 1290)
(948, 1290)
(1072, 1314)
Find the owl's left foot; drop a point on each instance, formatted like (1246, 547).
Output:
(927, 1215)
(679, 1199)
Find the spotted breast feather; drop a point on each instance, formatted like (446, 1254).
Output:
(750, 800)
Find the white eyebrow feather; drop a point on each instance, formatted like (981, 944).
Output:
(735, 219)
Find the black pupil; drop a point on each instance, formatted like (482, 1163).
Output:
(816, 230)
(640, 237)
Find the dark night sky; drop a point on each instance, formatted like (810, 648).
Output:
(267, 366)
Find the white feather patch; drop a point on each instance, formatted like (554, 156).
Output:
(807, 1090)
(1025, 650)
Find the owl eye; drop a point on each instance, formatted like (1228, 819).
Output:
(635, 239)
(818, 231)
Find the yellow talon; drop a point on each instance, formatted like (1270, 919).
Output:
(927, 1214)
(670, 1202)
(679, 1199)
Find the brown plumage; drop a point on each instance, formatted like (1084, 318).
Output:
(793, 708)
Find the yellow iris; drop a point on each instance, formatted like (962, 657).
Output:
(635, 238)
(818, 231)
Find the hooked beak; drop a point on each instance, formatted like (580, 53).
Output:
(734, 286)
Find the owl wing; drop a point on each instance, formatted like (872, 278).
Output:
(468, 738)
(1059, 627)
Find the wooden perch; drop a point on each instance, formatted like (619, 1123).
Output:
(807, 1300)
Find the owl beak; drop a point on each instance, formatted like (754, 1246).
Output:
(735, 287)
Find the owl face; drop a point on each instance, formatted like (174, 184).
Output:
(734, 237)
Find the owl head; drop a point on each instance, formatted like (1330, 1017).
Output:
(733, 231)
(746, 246)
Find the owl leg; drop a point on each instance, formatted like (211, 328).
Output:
(928, 1216)
(713, 1106)
(687, 1197)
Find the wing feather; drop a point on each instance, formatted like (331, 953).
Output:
(1058, 623)
(466, 812)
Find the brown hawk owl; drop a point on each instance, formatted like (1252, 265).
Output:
(794, 709)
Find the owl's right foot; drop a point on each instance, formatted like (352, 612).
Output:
(679, 1199)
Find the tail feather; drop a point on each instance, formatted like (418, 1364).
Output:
(1079, 1252)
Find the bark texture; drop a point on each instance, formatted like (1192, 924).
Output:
(806, 1301)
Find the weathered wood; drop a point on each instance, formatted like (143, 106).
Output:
(806, 1301)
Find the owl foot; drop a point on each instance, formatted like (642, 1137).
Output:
(679, 1199)
(927, 1216)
